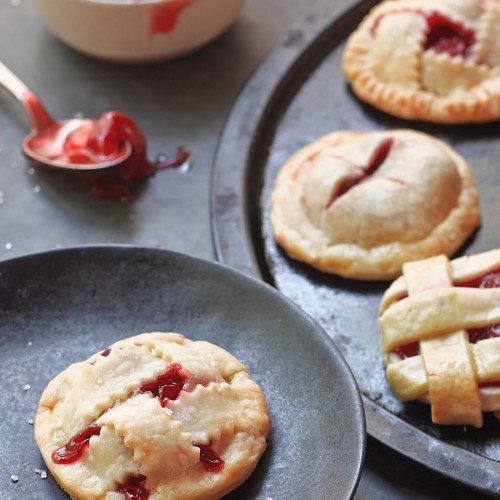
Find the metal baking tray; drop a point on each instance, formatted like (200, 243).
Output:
(298, 94)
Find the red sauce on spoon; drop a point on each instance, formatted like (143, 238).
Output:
(100, 141)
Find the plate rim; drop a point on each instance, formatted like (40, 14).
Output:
(77, 251)
(231, 228)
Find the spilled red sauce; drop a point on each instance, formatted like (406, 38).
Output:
(164, 15)
(75, 447)
(443, 34)
(133, 487)
(490, 280)
(110, 135)
(95, 143)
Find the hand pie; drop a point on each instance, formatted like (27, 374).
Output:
(440, 325)
(154, 416)
(431, 60)
(359, 204)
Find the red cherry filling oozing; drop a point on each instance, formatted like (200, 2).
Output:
(166, 387)
(133, 487)
(443, 34)
(74, 448)
(210, 460)
(490, 280)
(359, 173)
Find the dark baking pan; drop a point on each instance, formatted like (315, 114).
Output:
(298, 94)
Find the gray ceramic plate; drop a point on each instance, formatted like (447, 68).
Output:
(298, 94)
(59, 307)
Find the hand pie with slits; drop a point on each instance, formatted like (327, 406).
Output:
(155, 416)
(360, 204)
(440, 324)
(431, 60)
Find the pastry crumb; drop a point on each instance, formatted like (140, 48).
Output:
(14, 478)
(30, 421)
(27, 387)
(42, 473)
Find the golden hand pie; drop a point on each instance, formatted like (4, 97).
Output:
(431, 60)
(440, 324)
(359, 204)
(155, 416)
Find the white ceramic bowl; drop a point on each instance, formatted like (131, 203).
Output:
(137, 30)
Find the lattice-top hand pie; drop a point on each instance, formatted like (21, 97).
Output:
(431, 60)
(155, 416)
(440, 326)
(360, 204)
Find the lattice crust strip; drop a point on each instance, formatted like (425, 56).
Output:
(424, 307)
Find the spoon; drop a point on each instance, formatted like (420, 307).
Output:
(61, 144)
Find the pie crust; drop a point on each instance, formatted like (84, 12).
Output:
(440, 324)
(430, 60)
(360, 204)
(149, 435)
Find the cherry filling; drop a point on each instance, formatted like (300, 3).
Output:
(407, 350)
(210, 460)
(489, 383)
(168, 385)
(377, 158)
(74, 448)
(445, 35)
(133, 487)
(490, 280)
(165, 387)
